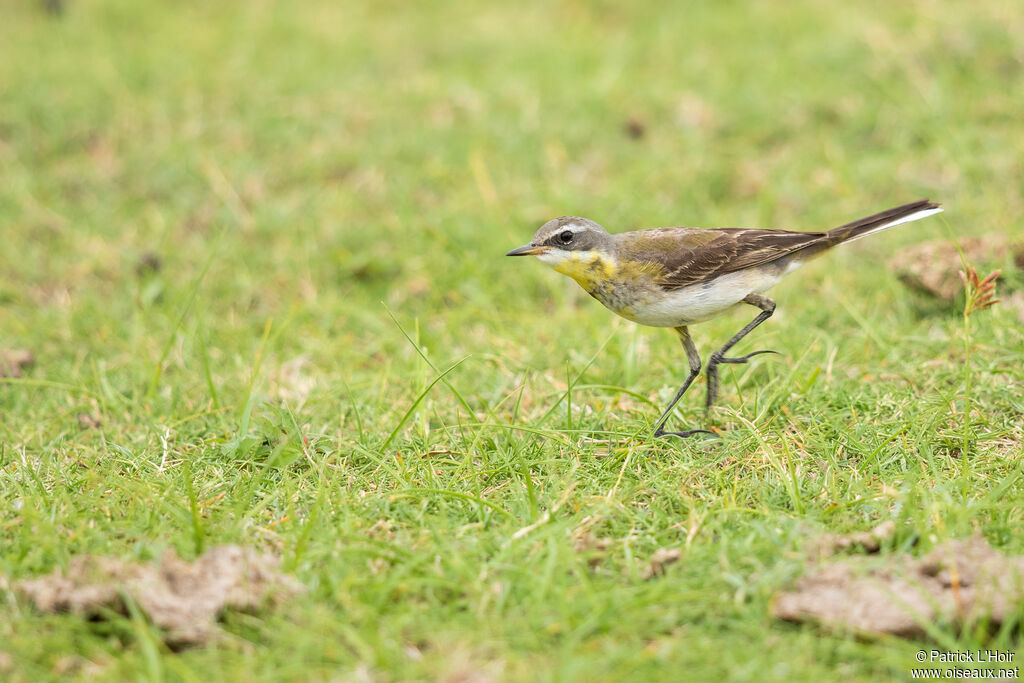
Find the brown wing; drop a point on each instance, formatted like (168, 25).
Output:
(688, 256)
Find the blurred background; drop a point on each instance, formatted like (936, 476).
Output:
(322, 157)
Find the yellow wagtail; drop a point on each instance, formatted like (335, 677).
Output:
(675, 277)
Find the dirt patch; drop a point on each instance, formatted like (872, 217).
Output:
(960, 582)
(13, 361)
(634, 127)
(934, 267)
(182, 598)
(1015, 302)
(73, 665)
(863, 541)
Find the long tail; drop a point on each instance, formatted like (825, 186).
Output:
(913, 211)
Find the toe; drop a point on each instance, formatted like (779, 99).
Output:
(744, 359)
(683, 435)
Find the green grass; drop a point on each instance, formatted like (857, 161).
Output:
(335, 362)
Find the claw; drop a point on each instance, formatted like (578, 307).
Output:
(744, 359)
(683, 435)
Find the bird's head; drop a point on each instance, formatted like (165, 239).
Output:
(568, 240)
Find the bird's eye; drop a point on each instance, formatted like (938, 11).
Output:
(566, 237)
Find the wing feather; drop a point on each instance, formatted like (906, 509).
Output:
(689, 256)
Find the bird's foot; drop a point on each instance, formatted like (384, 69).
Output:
(712, 373)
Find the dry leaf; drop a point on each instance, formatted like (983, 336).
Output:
(87, 421)
(661, 558)
(593, 548)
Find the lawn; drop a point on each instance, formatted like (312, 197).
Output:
(256, 250)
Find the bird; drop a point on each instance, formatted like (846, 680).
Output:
(678, 277)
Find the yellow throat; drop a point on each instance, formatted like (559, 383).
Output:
(591, 269)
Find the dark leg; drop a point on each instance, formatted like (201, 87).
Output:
(767, 307)
(694, 358)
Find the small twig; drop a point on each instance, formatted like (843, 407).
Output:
(165, 447)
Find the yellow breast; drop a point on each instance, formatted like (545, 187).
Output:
(619, 286)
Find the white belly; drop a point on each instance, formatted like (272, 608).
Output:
(698, 303)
